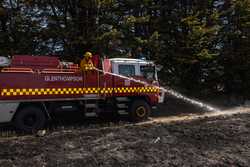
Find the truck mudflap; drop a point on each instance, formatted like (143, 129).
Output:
(7, 111)
(161, 96)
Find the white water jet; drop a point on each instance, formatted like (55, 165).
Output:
(169, 91)
(189, 100)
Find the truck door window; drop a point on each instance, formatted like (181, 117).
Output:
(127, 70)
(148, 72)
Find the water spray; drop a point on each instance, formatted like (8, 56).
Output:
(190, 100)
(168, 91)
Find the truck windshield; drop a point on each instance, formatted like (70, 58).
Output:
(148, 72)
(127, 70)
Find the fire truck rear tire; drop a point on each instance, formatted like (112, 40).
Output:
(139, 110)
(29, 119)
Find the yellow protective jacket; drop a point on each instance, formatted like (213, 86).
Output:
(86, 64)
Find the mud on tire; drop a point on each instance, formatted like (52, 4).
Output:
(139, 110)
(29, 119)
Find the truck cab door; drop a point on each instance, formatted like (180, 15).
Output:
(126, 74)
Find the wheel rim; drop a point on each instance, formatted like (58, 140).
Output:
(141, 111)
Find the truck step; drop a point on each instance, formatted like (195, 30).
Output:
(122, 99)
(91, 105)
(122, 112)
(90, 114)
(122, 106)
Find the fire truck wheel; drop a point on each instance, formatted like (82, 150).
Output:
(29, 119)
(139, 110)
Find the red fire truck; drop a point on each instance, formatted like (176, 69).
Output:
(33, 87)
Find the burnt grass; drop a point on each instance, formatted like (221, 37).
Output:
(220, 141)
(223, 141)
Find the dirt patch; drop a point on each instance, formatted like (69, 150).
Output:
(215, 140)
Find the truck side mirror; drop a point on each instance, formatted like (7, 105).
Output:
(158, 67)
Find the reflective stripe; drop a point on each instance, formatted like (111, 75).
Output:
(75, 91)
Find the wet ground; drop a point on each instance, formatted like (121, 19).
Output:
(176, 135)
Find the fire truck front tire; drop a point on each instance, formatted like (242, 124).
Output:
(139, 110)
(29, 119)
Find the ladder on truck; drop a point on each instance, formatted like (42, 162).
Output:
(92, 100)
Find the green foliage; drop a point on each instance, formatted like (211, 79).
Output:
(235, 53)
(201, 43)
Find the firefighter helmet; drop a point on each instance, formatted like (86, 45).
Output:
(88, 55)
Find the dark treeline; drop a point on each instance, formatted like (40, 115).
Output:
(202, 45)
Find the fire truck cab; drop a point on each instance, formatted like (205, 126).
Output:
(137, 67)
(134, 67)
(34, 88)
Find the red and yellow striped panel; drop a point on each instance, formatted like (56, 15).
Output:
(76, 91)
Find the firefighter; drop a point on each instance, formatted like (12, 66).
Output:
(86, 63)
